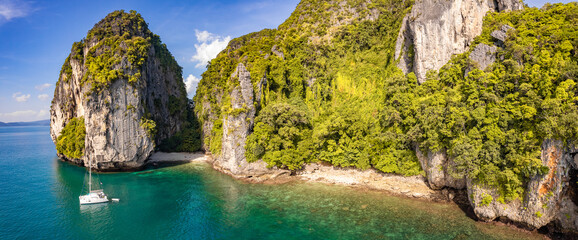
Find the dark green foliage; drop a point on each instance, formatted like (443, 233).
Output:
(187, 140)
(177, 106)
(282, 137)
(216, 137)
(65, 71)
(330, 83)
(353, 107)
(70, 143)
(493, 123)
(78, 51)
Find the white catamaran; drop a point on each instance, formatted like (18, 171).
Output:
(93, 196)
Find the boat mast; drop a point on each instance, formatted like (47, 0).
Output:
(89, 177)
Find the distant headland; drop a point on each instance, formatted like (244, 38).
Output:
(25, 124)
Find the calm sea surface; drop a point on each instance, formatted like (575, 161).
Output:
(39, 197)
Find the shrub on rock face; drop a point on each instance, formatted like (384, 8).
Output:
(71, 139)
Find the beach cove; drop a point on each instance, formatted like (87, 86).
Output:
(193, 201)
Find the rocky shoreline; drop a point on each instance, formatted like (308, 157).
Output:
(415, 187)
(412, 187)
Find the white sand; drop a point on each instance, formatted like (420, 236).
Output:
(178, 157)
(415, 186)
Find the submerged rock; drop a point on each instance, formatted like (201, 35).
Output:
(128, 90)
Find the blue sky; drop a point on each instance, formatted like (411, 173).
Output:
(36, 37)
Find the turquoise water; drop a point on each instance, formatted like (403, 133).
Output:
(192, 201)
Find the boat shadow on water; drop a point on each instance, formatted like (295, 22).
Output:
(94, 208)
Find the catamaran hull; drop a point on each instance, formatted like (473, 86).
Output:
(93, 198)
(88, 203)
(96, 202)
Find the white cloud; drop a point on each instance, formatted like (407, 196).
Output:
(211, 45)
(19, 97)
(42, 114)
(26, 113)
(24, 116)
(10, 9)
(41, 87)
(204, 36)
(191, 82)
(43, 97)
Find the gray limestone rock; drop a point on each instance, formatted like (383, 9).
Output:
(439, 168)
(236, 127)
(502, 33)
(435, 30)
(115, 139)
(567, 217)
(546, 198)
(484, 55)
(509, 5)
(277, 51)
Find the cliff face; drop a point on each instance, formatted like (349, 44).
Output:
(436, 30)
(126, 87)
(440, 170)
(237, 125)
(548, 198)
(336, 68)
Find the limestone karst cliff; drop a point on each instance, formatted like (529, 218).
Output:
(549, 198)
(435, 30)
(346, 83)
(123, 90)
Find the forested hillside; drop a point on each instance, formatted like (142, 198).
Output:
(493, 122)
(322, 82)
(328, 89)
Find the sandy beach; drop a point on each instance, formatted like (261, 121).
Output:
(158, 157)
(412, 186)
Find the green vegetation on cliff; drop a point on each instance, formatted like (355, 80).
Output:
(187, 140)
(119, 46)
(493, 122)
(330, 91)
(70, 143)
(282, 136)
(322, 93)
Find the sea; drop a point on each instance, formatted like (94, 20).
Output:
(39, 195)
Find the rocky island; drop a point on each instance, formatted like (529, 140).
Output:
(120, 93)
(476, 97)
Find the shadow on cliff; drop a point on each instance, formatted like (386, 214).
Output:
(188, 139)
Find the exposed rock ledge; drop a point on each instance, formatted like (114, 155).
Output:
(413, 187)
